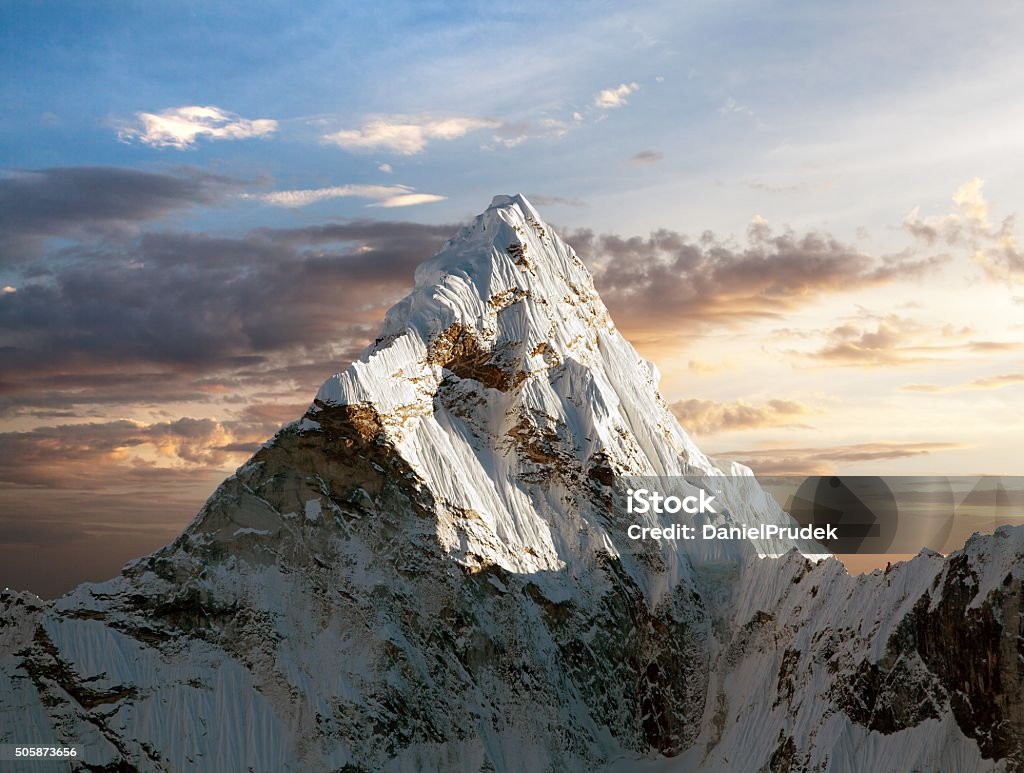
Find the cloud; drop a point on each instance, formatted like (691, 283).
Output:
(823, 460)
(668, 281)
(73, 454)
(385, 168)
(190, 316)
(887, 344)
(406, 135)
(512, 134)
(995, 249)
(891, 340)
(79, 202)
(615, 97)
(986, 383)
(409, 200)
(383, 195)
(179, 127)
(760, 185)
(732, 107)
(647, 157)
(708, 417)
(549, 201)
(997, 382)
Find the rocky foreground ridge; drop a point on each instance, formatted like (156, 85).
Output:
(426, 572)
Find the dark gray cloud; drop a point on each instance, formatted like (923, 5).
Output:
(179, 315)
(164, 316)
(667, 280)
(97, 201)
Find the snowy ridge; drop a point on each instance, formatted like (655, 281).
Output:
(890, 650)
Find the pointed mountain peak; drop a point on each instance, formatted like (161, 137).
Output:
(506, 284)
(503, 384)
(509, 243)
(515, 200)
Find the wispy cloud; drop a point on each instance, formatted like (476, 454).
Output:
(407, 135)
(608, 99)
(708, 417)
(890, 340)
(387, 196)
(408, 200)
(732, 107)
(513, 133)
(180, 127)
(988, 382)
(822, 460)
(647, 157)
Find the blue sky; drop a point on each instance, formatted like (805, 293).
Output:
(760, 109)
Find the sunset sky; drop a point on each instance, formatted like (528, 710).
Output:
(803, 213)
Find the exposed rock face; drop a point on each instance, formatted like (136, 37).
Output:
(425, 573)
(915, 668)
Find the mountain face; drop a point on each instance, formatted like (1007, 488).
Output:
(426, 572)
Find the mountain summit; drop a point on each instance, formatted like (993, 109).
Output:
(502, 381)
(427, 571)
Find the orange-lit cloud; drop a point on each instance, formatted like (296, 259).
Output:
(994, 248)
(823, 460)
(708, 417)
(988, 382)
(90, 454)
(889, 340)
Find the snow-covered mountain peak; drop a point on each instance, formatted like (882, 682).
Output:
(508, 255)
(503, 383)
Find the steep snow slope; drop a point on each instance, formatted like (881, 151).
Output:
(504, 367)
(426, 572)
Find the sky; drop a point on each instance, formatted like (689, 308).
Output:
(803, 213)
